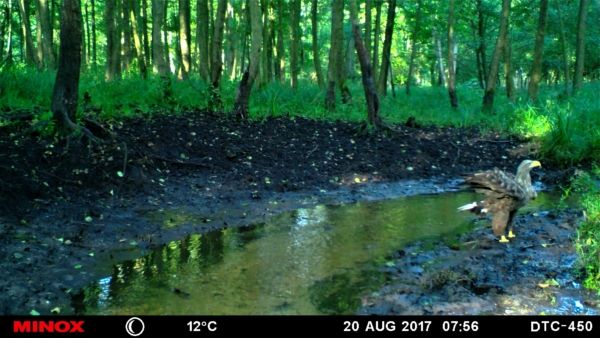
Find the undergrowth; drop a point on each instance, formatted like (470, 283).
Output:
(566, 129)
(587, 242)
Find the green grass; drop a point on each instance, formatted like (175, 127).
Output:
(587, 242)
(566, 129)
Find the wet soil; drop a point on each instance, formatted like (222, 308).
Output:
(532, 275)
(67, 206)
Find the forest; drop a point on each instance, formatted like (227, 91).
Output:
(135, 124)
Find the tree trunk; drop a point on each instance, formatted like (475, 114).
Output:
(127, 34)
(202, 38)
(26, 33)
(295, 42)
(334, 68)
(564, 49)
(580, 48)
(245, 88)
(451, 57)
(376, 38)
(481, 59)
(45, 36)
(185, 37)
(387, 47)
(315, 43)
(113, 42)
(508, 71)
(413, 52)
(158, 51)
(368, 26)
(66, 86)
(279, 48)
(94, 42)
(144, 22)
(8, 11)
(490, 83)
(137, 39)
(536, 68)
(3, 27)
(215, 103)
(366, 70)
(87, 48)
(440, 60)
(165, 33)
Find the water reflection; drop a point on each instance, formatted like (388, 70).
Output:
(309, 261)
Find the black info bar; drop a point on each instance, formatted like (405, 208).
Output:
(357, 326)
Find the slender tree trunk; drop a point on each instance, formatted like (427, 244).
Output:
(366, 70)
(8, 11)
(564, 49)
(158, 51)
(3, 27)
(334, 69)
(268, 39)
(94, 43)
(315, 43)
(387, 47)
(215, 102)
(202, 38)
(488, 98)
(165, 33)
(279, 48)
(46, 34)
(368, 26)
(26, 33)
(451, 58)
(88, 38)
(376, 38)
(65, 93)
(481, 59)
(113, 41)
(508, 71)
(127, 34)
(243, 94)
(580, 51)
(295, 43)
(536, 68)
(137, 39)
(145, 37)
(185, 37)
(440, 60)
(413, 52)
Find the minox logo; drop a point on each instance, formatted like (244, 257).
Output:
(43, 326)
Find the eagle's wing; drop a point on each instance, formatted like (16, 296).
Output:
(495, 183)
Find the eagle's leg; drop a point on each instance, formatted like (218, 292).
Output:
(503, 239)
(511, 217)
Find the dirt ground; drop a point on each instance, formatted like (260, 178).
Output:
(65, 206)
(532, 275)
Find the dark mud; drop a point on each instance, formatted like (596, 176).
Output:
(532, 275)
(67, 207)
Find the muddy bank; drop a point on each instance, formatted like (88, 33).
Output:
(474, 274)
(69, 209)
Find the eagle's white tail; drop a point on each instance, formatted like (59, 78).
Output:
(467, 206)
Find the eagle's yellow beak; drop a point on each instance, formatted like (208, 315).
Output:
(535, 164)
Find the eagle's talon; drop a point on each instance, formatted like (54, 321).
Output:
(503, 239)
(511, 234)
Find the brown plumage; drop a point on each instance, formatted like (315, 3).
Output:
(505, 194)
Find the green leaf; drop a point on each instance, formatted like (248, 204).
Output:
(120, 173)
(88, 219)
(34, 313)
(78, 266)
